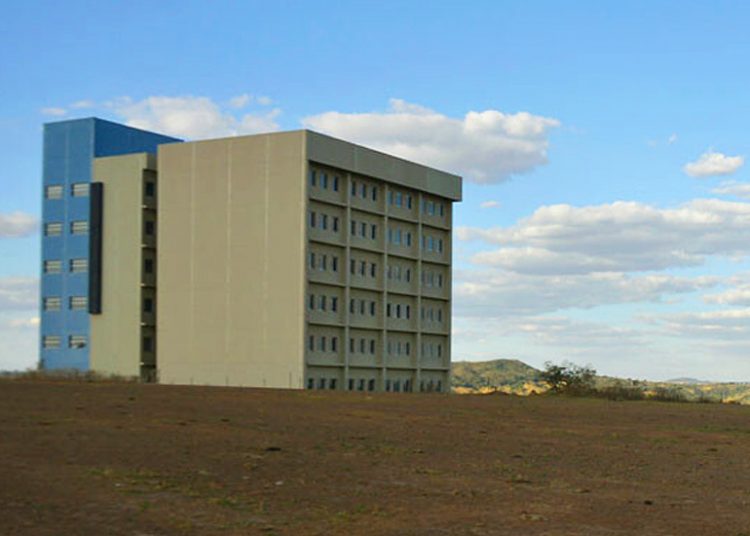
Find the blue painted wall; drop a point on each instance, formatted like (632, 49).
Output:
(69, 150)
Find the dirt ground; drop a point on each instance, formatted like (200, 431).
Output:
(139, 460)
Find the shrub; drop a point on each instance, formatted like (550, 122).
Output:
(568, 378)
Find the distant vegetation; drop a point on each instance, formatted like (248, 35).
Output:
(515, 377)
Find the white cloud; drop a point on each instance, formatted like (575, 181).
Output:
(53, 111)
(83, 104)
(616, 237)
(17, 225)
(502, 294)
(737, 189)
(191, 117)
(721, 325)
(264, 101)
(240, 101)
(489, 204)
(31, 323)
(672, 139)
(18, 293)
(485, 147)
(711, 164)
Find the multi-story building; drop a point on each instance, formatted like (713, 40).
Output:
(289, 260)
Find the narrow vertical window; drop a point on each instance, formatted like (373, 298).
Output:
(312, 177)
(334, 303)
(312, 219)
(335, 264)
(335, 183)
(373, 231)
(311, 302)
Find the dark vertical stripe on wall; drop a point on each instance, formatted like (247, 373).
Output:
(95, 247)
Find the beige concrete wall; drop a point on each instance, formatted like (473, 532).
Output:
(116, 332)
(231, 261)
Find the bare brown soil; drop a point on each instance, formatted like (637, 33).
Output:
(129, 459)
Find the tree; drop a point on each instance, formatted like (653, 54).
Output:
(568, 377)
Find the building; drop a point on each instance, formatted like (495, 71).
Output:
(289, 259)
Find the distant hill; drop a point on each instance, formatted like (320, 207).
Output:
(507, 375)
(516, 377)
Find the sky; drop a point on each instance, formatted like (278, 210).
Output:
(606, 210)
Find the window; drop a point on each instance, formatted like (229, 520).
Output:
(52, 303)
(311, 343)
(352, 266)
(351, 384)
(313, 177)
(312, 260)
(364, 191)
(335, 224)
(351, 306)
(371, 385)
(78, 266)
(334, 303)
(335, 263)
(373, 269)
(324, 180)
(311, 302)
(408, 201)
(148, 266)
(387, 385)
(148, 344)
(354, 228)
(362, 344)
(351, 346)
(51, 342)
(77, 341)
(323, 344)
(374, 193)
(324, 221)
(53, 229)
(363, 229)
(52, 267)
(372, 346)
(373, 231)
(372, 308)
(354, 188)
(332, 384)
(361, 384)
(79, 227)
(148, 305)
(78, 303)
(336, 185)
(149, 189)
(322, 303)
(334, 344)
(324, 262)
(310, 383)
(80, 189)
(321, 383)
(54, 192)
(312, 218)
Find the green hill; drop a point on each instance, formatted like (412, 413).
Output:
(507, 374)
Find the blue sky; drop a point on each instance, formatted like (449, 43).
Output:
(600, 248)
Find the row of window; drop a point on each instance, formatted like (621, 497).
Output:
(398, 310)
(320, 262)
(363, 228)
(399, 273)
(432, 314)
(322, 180)
(75, 266)
(399, 236)
(323, 303)
(358, 306)
(432, 243)
(53, 342)
(360, 268)
(322, 343)
(75, 303)
(432, 279)
(77, 189)
(364, 384)
(77, 227)
(322, 221)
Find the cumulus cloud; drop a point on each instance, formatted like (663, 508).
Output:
(723, 324)
(489, 204)
(485, 147)
(18, 293)
(711, 164)
(616, 237)
(53, 111)
(17, 225)
(734, 188)
(502, 294)
(193, 117)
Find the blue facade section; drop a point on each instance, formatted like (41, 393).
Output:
(69, 150)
